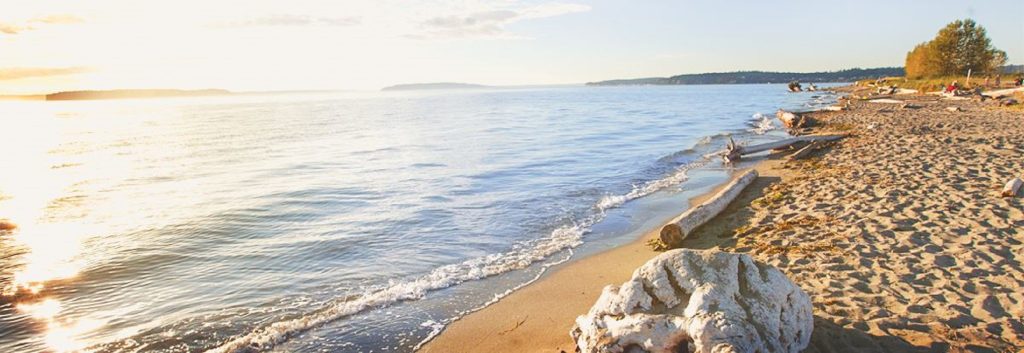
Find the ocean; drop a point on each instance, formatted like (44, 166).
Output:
(335, 221)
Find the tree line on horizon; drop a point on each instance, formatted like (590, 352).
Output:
(750, 77)
(962, 46)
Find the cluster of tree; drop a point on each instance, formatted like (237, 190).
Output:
(959, 47)
(850, 75)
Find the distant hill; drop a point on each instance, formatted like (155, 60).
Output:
(740, 77)
(132, 93)
(435, 85)
(1013, 69)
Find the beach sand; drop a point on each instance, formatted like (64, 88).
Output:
(898, 234)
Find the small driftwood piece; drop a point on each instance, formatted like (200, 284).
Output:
(803, 152)
(1011, 188)
(734, 152)
(954, 109)
(672, 234)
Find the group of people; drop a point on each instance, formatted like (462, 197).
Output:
(1017, 82)
(999, 80)
(955, 86)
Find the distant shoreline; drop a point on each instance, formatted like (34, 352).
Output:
(757, 77)
(132, 93)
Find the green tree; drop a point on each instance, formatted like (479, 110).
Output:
(960, 46)
(919, 63)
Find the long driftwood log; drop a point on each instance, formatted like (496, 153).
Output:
(672, 235)
(734, 152)
(1011, 188)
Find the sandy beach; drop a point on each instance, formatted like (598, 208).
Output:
(898, 234)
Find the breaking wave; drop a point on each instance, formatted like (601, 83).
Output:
(761, 124)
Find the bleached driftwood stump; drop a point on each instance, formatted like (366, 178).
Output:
(699, 301)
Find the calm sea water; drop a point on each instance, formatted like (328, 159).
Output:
(341, 222)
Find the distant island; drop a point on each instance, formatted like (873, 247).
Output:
(435, 85)
(132, 93)
(741, 77)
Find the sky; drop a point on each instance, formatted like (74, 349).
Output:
(50, 45)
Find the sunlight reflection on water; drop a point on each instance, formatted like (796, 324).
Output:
(176, 225)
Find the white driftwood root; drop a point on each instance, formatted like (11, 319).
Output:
(1011, 188)
(679, 228)
(792, 120)
(734, 152)
(699, 301)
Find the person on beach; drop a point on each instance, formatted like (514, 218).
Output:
(986, 81)
(952, 88)
(999, 81)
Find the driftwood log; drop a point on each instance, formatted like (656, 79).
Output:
(1011, 188)
(734, 152)
(672, 235)
(793, 120)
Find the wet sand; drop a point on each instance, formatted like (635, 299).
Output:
(898, 234)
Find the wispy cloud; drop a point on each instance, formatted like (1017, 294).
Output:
(295, 20)
(17, 73)
(34, 23)
(489, 24)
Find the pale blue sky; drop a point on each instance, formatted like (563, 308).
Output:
(52, 45)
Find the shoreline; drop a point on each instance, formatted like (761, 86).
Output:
(552, 302)
(531, 318)
(890, 264)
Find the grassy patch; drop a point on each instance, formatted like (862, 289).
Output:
(741, 230)
(803, 249)
(770, 199)
(656, 244)
(938, 83)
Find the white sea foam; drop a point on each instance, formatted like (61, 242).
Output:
(438, 327)
(560, 239)
(762, 124)
(678, 176)
(520, 257)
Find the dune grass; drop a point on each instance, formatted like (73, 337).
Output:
(939, 83)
